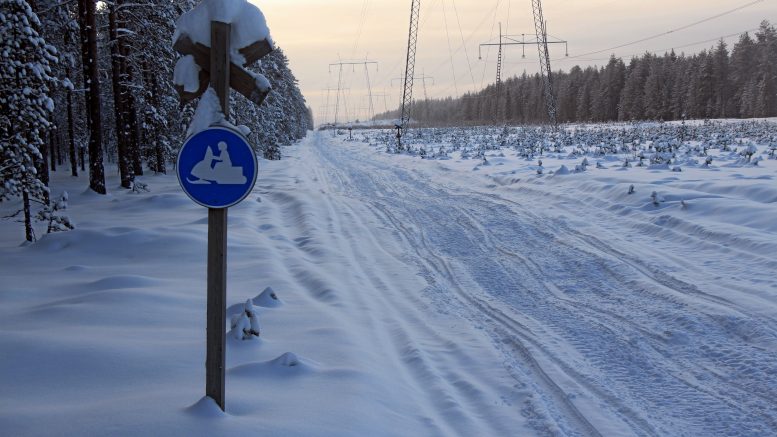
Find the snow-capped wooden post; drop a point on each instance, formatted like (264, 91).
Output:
(214, 67)
(215, 362)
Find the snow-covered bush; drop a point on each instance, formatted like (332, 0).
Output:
(53, 214)
(655, 199)
(245, 325)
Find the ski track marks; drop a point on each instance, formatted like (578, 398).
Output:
(597, 341)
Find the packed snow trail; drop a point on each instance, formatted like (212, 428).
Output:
(417, 298)
(604, 342)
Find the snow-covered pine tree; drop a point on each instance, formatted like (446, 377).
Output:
(60, 28)
(284, 117)
(766, 82)
(149, 26)
(25, 103)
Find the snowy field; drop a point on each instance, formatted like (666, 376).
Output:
(477, 293)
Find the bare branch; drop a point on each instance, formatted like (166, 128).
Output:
(6, 217)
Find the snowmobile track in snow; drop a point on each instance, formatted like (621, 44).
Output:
(588, 326)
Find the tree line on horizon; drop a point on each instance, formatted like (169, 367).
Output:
(87, 84)
(714, 83)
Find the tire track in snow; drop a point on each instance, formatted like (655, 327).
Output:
(426, 208)
(507, 332)
(424, 356)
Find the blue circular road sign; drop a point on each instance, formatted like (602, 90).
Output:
(217, 168)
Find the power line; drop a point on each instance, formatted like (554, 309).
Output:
(658, 35)
(361, 27)
(718, 38)
(486, 16)
(488, 51)
(463, 43)
(450, 49)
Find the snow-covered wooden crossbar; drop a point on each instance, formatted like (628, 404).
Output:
(249, 42)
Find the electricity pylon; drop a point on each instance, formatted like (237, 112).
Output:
(340, 82)
(327, 105)
(407, 93)
(541, 30)
(513, 40)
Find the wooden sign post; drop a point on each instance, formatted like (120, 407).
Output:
(218, 72)
(215, 355)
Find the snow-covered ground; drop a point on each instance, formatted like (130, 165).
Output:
(418, 297)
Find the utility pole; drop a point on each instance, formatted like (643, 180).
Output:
(407, 93)
(513, 40)
(340, 64)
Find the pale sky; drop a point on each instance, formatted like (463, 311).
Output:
(315, 33)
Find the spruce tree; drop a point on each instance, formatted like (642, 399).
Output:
(26, 83)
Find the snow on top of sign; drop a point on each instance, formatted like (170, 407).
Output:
(248, 23)
(225, 11)
(261, 81)
(187, 74)
(208, 113)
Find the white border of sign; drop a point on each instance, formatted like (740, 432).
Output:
(253, 182)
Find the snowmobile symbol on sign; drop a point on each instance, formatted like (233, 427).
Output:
(217, 168)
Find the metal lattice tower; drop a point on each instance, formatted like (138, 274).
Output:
(337, 104)
(514, 40)
(540, 28)
(370, 107)
(407, 93)
(498, 101)
(499, 60)
(340, 84)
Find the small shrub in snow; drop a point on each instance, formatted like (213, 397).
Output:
(748, 151)
(245, 325)
(139, 187)
(677, 169)
(631, 189)
(53, 214)
(654, 197)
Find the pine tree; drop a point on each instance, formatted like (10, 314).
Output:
(722, 85)
(283, 118)
(743, 65)
(26, 82)
(766, 80)
(87, 22)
